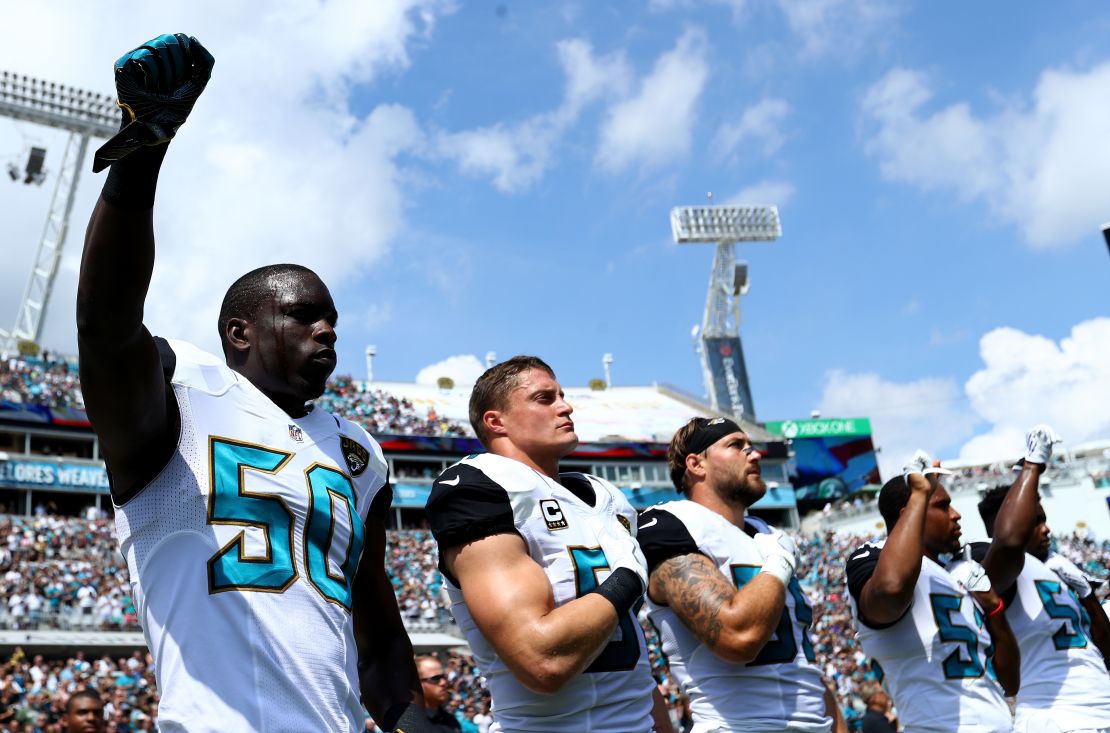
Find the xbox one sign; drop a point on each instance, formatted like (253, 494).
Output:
(838, 427)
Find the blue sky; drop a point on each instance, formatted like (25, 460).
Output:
(497, 176)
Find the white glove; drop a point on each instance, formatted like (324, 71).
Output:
(1038, 444)
(969, 574)
(623, 551)
(921, 462)
(1070, 574)
(780, 555)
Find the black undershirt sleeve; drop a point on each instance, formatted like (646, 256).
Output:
(379, 507)
(858, 570)
(860, 567)
(662, 536)
(467, 505)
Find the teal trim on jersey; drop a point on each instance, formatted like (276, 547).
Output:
(804, 614)
(621, 654)
(955, 666)
(230, 503)
(782, 647)
(326, 484)
(1063, 639)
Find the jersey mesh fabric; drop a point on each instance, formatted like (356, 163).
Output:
(785, 694)
(245, 657)
(1062, 672)
(600, 701)
(938, 680)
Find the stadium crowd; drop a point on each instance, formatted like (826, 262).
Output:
(45, 381)
(66, 572)
(52, 382)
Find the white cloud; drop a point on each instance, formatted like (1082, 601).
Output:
(464, 369)
(272, 166)
(517, 155)
(1038, 165)
(656, 125)
(1026, 379)
(1029, 379)
(838, 26)
(763, 193)
(761, 124)
(926, 413)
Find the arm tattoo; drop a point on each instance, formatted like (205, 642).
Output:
(696, 590)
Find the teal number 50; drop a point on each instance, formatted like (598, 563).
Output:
(273, 572)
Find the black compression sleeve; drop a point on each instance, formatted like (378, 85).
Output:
(132, 180)
(622, 588)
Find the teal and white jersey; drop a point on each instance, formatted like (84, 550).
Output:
(935, 657)
(781, 689)
(242, 554)
(570, 528)
(1062, 673)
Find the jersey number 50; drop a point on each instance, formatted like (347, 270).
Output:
(230, 503)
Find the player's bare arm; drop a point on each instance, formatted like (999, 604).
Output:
(1017, 517)
(832, 709)
(1007, 655)
(660, 717)
(513, 605)
(125, 390)
(1013, 528)
(1100, 626)
(387, 673)
(734, 623)
(887, 594)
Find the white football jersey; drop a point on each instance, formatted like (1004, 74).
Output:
(1062, 671)
(242, 554)
(782, 687)
(569, 527)
(934, 658)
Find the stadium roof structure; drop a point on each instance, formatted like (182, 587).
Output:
(616, 414)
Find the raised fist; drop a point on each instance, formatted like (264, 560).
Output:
(920, 471)
(157, 85)
(1038, 444)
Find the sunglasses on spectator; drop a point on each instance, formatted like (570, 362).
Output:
(435, 679)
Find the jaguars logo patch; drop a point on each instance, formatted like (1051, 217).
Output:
(625, 523)
(356, 456)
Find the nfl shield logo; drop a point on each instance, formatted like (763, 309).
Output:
(295, 433)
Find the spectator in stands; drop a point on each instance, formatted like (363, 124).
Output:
(84, 713)
(879, 716)
(436, 693)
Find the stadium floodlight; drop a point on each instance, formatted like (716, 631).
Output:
(700, 224)
(718, 342)
(371, 352)
(83, 114)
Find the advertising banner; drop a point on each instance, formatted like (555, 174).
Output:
(832, 458)
(725, 358)
(59, 476)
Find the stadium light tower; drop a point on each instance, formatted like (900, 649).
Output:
(606, 364)
(371, 352)
(722, 358)
(83, 114)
